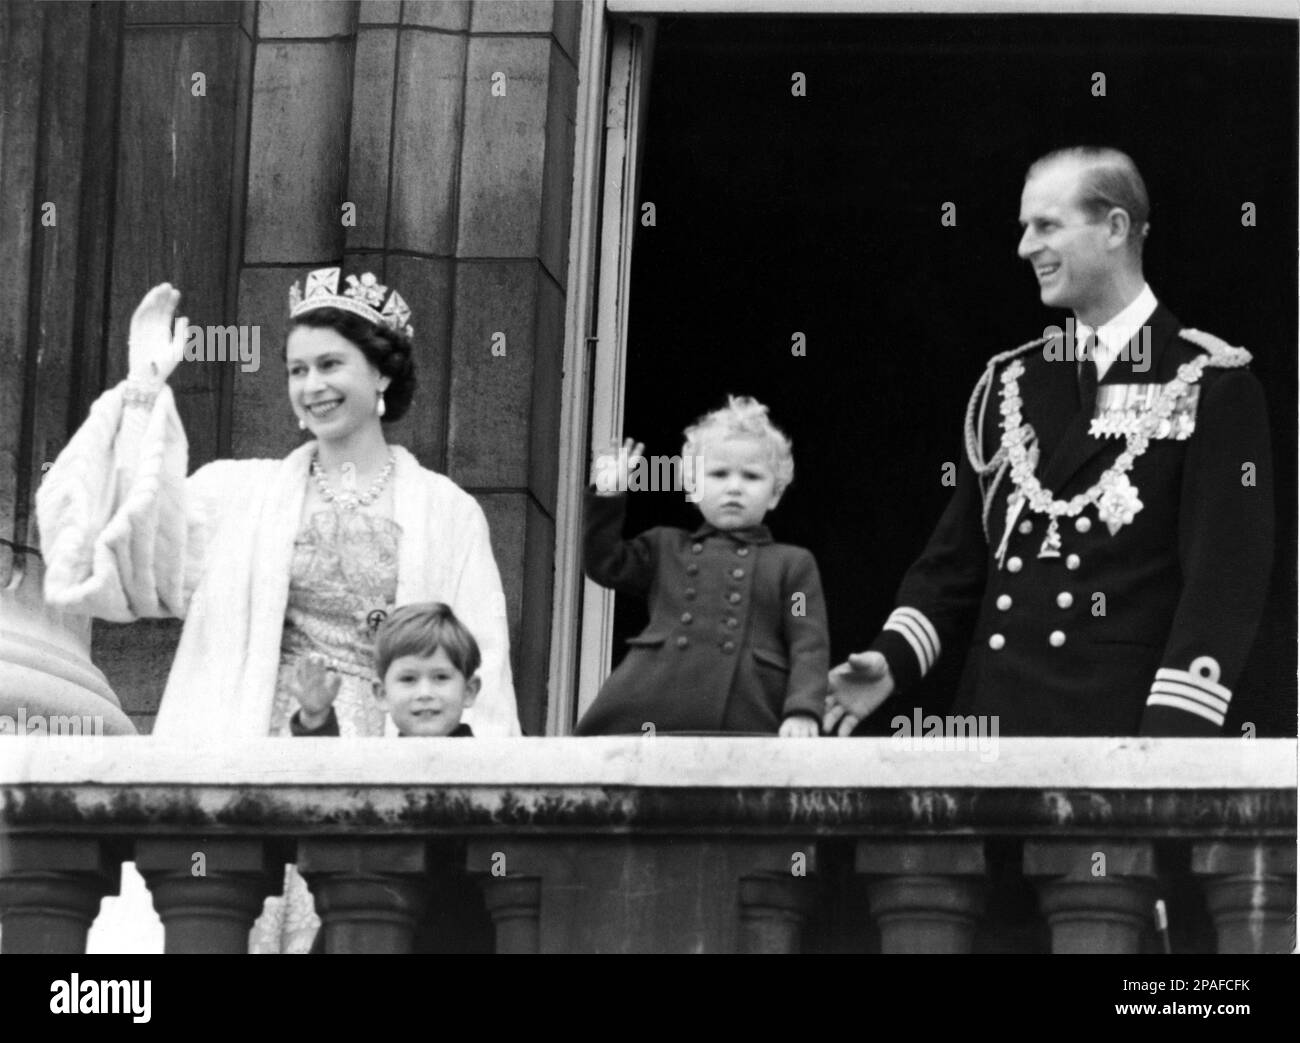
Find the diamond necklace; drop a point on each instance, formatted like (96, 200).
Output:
(346, 499)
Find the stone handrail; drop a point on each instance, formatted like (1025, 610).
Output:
(734, 842)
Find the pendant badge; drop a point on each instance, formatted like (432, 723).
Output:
(1051, 547)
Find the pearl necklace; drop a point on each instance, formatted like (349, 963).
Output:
(347, 499)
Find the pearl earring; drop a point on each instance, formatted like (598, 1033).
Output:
(380, 408)
(302, 424)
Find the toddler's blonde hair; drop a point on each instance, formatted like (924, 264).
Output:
(744, 417)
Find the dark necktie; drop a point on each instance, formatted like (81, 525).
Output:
(1088, 376)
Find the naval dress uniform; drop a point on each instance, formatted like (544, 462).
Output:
(1116, 580)
(737, 639)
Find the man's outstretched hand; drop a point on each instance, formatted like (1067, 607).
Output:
(857, 688)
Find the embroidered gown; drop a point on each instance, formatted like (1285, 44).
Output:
(344, 570)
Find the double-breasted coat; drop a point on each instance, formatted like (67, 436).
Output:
(1140, 630)
(737, 639)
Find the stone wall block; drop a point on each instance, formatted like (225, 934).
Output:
(371, 138)
(505, 146)
(492, 394)
(426, 285)
(507, 518)
(426, 142)
(452, 15)
(263, 421)
(386, 12)
(302, 95)
(286, 19)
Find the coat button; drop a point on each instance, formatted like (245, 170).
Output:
(697, 548)
(728, 646)
(692, 569)
(1057, 638)
(687, 617)
(742, 552)
(1004, 601)
(689, 593)
(1026, 527)
(997, 642)
(734, 597)
(1014, 564)
(1082, 524)
(1072, 562)
(732, 621)
(682, 642)
(737, 573)
(1065, 599)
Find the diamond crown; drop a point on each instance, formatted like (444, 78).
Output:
(364, 295)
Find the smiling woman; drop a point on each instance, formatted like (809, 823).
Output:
(272, 563)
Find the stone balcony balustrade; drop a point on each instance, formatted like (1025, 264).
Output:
(686, 844)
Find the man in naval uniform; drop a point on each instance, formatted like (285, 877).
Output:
(1111, 531)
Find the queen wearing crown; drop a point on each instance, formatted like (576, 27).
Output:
(273, 563)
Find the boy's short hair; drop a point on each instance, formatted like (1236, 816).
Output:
(420, 629)
(745, 417)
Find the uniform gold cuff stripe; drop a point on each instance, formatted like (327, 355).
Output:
(1188, 691)
(1177, 702)
(933, 635)
(922, 627)
(907, 623)
(917, 650)
(1194, 679)
(915, 636)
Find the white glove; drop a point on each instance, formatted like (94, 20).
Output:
(156, 344)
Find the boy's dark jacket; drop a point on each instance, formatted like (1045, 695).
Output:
(330, 727)
(737, 639)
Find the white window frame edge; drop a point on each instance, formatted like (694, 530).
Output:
(608, 127)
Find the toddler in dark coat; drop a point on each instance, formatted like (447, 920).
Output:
(737, 639)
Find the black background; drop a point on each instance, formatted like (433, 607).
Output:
(821, 214)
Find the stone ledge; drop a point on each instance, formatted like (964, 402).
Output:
(284, 812)
(664, 762)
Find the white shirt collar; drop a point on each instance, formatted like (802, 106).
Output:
(1113, 335)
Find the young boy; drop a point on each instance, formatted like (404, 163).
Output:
(426, 662)
(737, 639)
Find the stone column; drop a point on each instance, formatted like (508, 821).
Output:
(50, 889)
(513, 897)
(510, 228)
(1250, 890)
(59, 83)
(369, 892)
(515, 903)
(773, 908)
(926, 895)
(702, 894)
(1097, 895)
(207, 892)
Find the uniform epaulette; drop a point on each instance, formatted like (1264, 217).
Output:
(1007, 356)
(1222, 354)
(979, 401)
